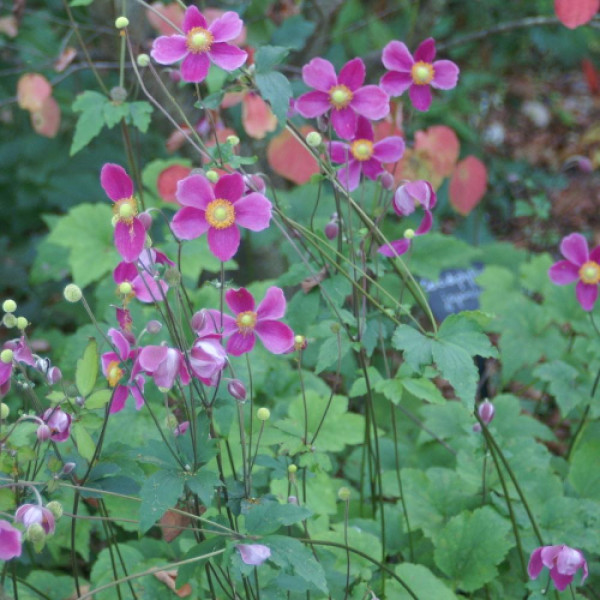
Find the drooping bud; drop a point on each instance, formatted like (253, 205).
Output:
(9, 306)
(35, 533)
(387, 181)
(72, 293)
(145, 219)
(143, 60)
(253, 554)
(486, 411)
(332, 230)
(68, 468)
(263, 414)
(43, 433)
(237, 389)
(54, 375)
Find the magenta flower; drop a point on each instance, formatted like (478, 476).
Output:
(201, 44)
(406, 199)
(253, 554)
(363, 155)
(163, 364)
(344, 95)
(10, 541)
(130, 234)
(144, 285)
(12, 352)
(29, 514)
(111, 369)
(181, 428)
(219, 210)
(562, 561)
(250, 322)
(416, 74)
(57, 425)
(207, 356)
(580, 265)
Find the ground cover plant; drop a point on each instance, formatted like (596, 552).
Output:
(230, 366)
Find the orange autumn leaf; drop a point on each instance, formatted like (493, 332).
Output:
(257, 117)
(169, 578)
(573, 13)
(468, 185)
(288, 157)
(46, 120)
(65, 59)
(441, 145)
(173, 12)
(32, 90)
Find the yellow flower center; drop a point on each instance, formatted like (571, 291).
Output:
(220, 214)
(125, 210)
(246, 321)
(114, 373)
(199, 40)
(340, 96)
(590, 272)
(422, 73)
(362, 149)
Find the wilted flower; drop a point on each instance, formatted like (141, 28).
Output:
(10, 541)
(237, 389)
(253, 554)
(30, 514)
(562, 561)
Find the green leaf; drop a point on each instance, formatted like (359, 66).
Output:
(470, 546)
(113, 112)
(89, 125)
(98, 399)
(561, 378)
(140, 114)
(87, 369)
(277, 91)
(80, 2)
(584, 478)
(203, 483)
(85, 444)
(416, 346)
(422, 582)
(330, 353)
(186, 572)
(424, 389)
(392, 389)
(159, 493)
(262, 519)
(267, 57)
(293, 32)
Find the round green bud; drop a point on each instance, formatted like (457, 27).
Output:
(292, 469)
(9, 320)
(125, 288)
(9, 306)
(121, 22)
(409, 234)
(35, 533)
(72, 293)
(143, 60)
(344, 494)
(314, 139)
(263, 414)
(55, 508)
(212, 176)
(6, 356)
(234, 140)
(118, 94)
(22, 323)
(335, 327)
(4, 411)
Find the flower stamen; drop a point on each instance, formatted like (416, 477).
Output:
(125, 210)
(422, 73)
(199, 40)
(340, 96)
(362, 149)
(114, 373)
(590, 272)
(246, 321)
(220, 214)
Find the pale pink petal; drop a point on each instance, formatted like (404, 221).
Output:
(224, 243)
(339, 152)
(193, 18)
(239, 343)
(10, 541)
(535, 566)
(119, 398)
(426, 224)
(563, 272)
(115, 182)
(272, 305)
(276, 336)
(313, 104)
(226, 56)
(147, 289)
(426, 51)
(420, 96)
(560, 581)
(371, 168)
(195, 191)
(319, 74)
(227, 27)
(169, 49)
(389, 149)
(569, 561)
(352, 74)
(587, 294)
(5, 372)
(371, 102)
(343, 122)
(215, 318)
(399, 247)
(550, 554)
(137, 391)
(396, 57)
(194, 67)
(395, 83)
(239, 301)
(445, 75)
(574, 248)
(151, 357)
(130, 239)
(253, 212)
(253, 554)
(364, 129)
(106, 359)
(230, 187)
(189, 223)
(121, 343)
(349, 176)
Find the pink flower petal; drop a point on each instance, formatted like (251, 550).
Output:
(563, 272)
(227, 27)
(395, 83)
(253, 212)
(151, 357)
(120, 341)
(364, 129)
(239, 343)
(426, 51)
(239, 301)
(276, 336)
(147, 289)
(193, 18)
(194, 67)
(400, 247)
(343, 122)
(230, 187)
(389, 149)
(371, 102)
(313, 104)
(569, 561)
(560, 580)
(535, 566)
(226, 56)
(420, 96)
(339, 152)
(253, 554)
(273, 305)
(396, 57)
(137, 391)
(120, 396)
(167, 50)
(106, 359)
(349, 176)
(115, 182)
(352, 74)
(371, 168)
(214, 319)
(574, 248)
(130, 239)
(124, 271)
(10, 541)
(595, 255)
(189, 223)
(195, 191)
(445, 75)
(426, 224)
(587, 294)
(319, 74)
(224, 243)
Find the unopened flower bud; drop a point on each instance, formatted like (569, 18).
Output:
(6, 356)
(9, 306)
(234, 140)
(292, 500)
(344, 494)
(153, 326)
(143, 60)
(486, 411)
(263, 414)
(409, 234)
(237, 389)
(35, 533)
(72, 293)
(121, 22)
(314, 139)
(387, 181)
(255, 183)
(125, 288)
(118, 94)
(55, 508)
(9, 320)
(332, 230)
(292, 469)
(212, 176)
(53, 375)
(43, 433)
(68, 468)
(22, 323)
(145, 219)
(4, 411)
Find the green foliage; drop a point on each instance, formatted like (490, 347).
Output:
(159, 492)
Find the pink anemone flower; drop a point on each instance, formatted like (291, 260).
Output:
(28, 514)
(562, 561)
(163, 364)
(10, 541)
(201, 44)
(219, 211)
(580, 265)
(344, 95)
(207, 356)
(20, 353)
(251, 322)
(111, 368)
(144, 286)
(253, 554)
(130, 234)
(416, 74)
(57, 425)
(406, 199)
(363, 155)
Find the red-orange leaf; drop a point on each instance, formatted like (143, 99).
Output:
(468, 184)
(574, 13)
(290, 159)
(442, 147)
(32, 91)
(167, 181)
